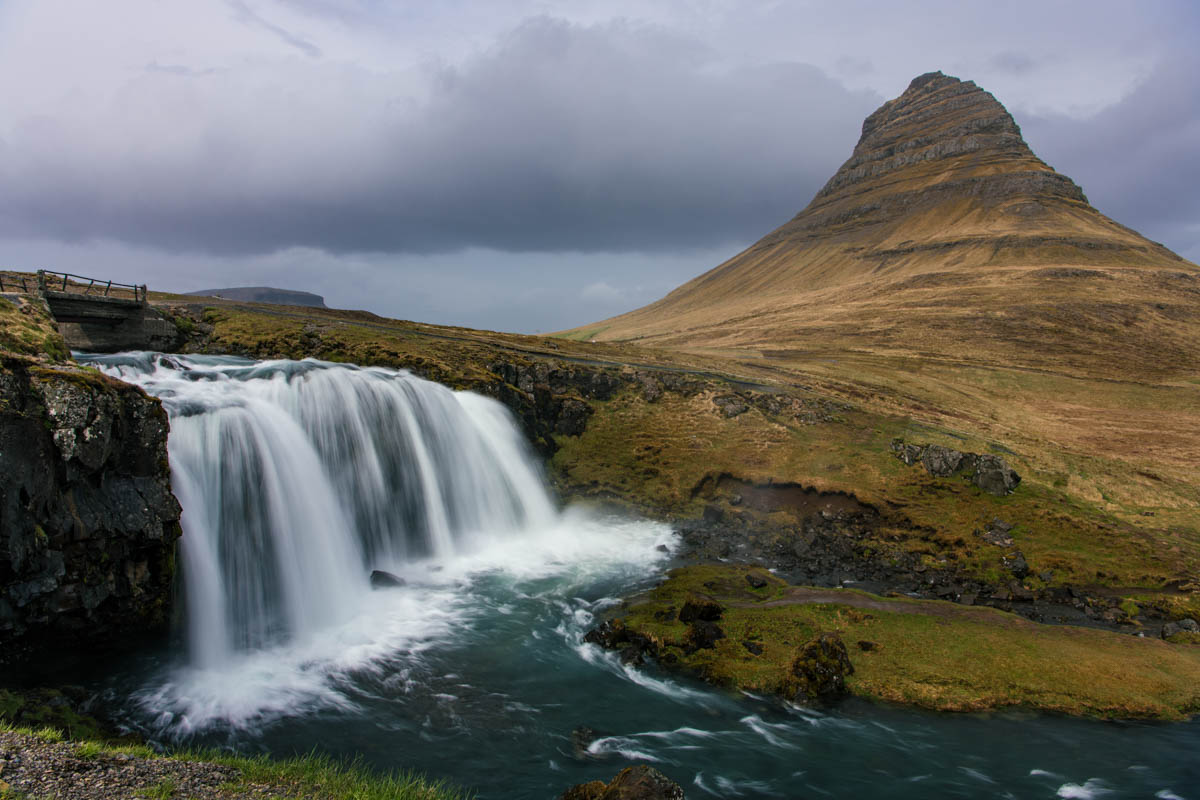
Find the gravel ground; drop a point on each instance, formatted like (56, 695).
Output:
(34, 768)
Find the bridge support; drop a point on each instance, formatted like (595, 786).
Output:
(101, 323)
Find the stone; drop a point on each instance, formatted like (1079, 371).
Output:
(1186, 625)
(730, 406)
(87, 544)
(990, 473)
(700, 608)
(581, 739)
(754, 648)
(641, 782)
(941, 462)
(573, 417)
(1015, 563)
(651, 388)
(381, 579)
(755, 580)
(819, 670)
(867, 646)
(608, 634)
(703, 635)
(994, 476)
(592, 790)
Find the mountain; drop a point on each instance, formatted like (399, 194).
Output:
(942, 236)
(265, 294)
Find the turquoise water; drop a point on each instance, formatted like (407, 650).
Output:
(490, 703)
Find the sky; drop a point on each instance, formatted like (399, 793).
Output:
(531, 165)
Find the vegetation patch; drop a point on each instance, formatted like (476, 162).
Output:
(926, 653)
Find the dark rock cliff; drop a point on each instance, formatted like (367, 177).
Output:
(88, 523)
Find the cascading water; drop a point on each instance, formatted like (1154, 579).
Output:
(299, 478)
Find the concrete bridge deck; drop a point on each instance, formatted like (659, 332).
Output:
(101, 316)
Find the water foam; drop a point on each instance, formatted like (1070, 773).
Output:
(299, 478)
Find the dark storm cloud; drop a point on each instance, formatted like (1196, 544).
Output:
(563, 137)
(1137, 160)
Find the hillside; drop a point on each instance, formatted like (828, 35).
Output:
(943, 236)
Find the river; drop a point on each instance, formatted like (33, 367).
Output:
(297, 479)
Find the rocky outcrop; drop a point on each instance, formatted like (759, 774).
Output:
(87, 520)
(990, 473)
(632, 783)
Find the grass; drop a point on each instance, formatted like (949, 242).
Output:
(309, 776)
(322, 776)
(28, 330)
(657, 454)
(931, 654)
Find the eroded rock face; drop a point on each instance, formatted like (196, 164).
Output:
(88, 522)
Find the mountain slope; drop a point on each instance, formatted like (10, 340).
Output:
(942, 236)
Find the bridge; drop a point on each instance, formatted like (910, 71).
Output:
(103, 316)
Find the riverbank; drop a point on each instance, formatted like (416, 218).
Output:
(44, 763)
(742, 627)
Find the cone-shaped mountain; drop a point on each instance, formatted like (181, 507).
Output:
(943, 234)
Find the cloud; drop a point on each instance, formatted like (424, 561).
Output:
(613, 137)
(1138, 161)
(244, 13)
(522, 292)
(603, 291)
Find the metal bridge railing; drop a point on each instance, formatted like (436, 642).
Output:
(66, 281)
(12, 282)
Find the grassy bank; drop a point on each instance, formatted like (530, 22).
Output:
(144, 773)
(927, 653)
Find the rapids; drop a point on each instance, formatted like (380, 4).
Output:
(299, 478)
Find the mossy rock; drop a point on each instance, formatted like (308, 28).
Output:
(818, 673)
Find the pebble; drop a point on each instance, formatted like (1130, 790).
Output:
(33, 767)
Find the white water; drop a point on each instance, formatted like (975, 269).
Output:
(476, 670)
(297, 479)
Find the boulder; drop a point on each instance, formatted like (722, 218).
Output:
(697, 607)
(703, 635)
(819, 670)
(994, 476)
(941, 462)
(755, 580)
(386, 580)
(997, 533)
(633, 783)
(1015, 563)
(1186, 625)
(730, 405)
(990, 473)
(581, 739)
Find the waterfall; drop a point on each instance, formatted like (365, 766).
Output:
(297, 478)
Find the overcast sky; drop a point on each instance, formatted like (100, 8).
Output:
(531, 165)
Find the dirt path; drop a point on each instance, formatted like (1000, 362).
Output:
(803, 595)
